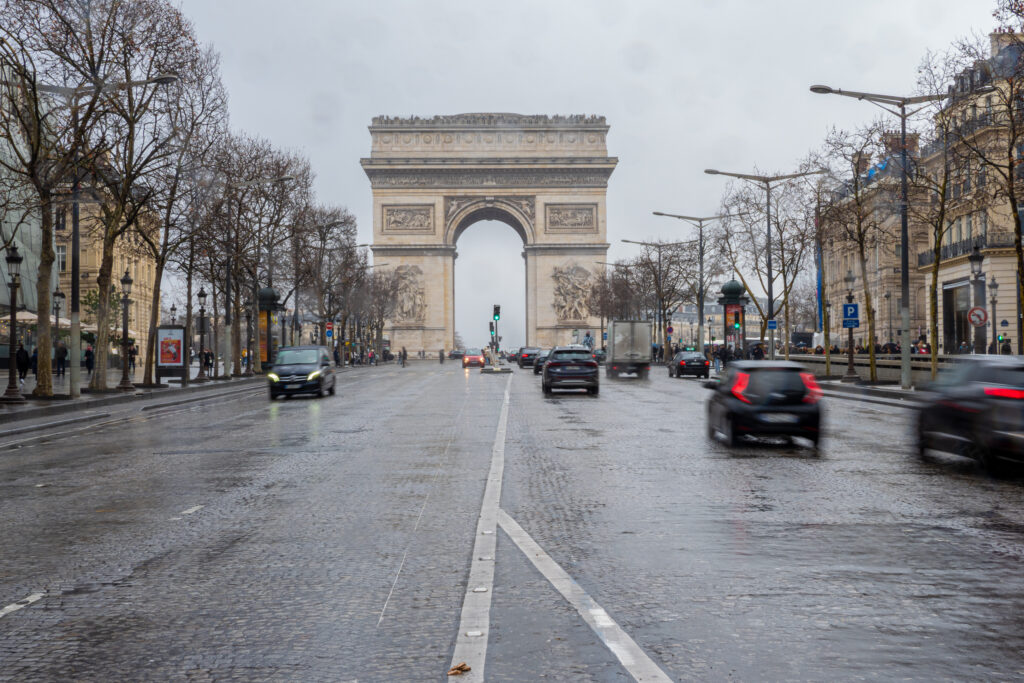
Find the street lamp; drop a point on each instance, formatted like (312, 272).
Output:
(71, 95)
(886, 102)
(58, 301)
(767, 182)
(201, 376)
(976, 259)
(126, 289)
(249, 372)
(994, 286)
(699, 222)
(851, 375)
(174, 313)
(13, 393)
(888, 302)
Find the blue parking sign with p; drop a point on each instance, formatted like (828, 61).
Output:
(850, 311)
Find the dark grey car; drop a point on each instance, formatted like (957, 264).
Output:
(570, 367)
(302, 370)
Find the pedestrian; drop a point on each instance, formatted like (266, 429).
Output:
(337, 357)
(133, 352)
(35, 362)
(370, 355)
(440, 356)
(61, 356)
(964, 348)
(1005, 349)
(90, 358)
(717, 356)
(403, 355)
(22, 360)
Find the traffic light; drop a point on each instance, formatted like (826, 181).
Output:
(736, 320)
(492, 328)
(497, 312)
(1000, 338)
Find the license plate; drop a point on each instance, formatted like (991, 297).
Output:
(293, 386)
(782, 418)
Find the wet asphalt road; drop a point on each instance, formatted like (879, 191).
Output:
(331, 540)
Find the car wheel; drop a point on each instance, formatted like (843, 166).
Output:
(272, 395)
(593, 391)
(644, 373)
(920, 440)
(729, 430)
(333, 385)
(545, 387)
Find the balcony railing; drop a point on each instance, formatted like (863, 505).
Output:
(992, 239)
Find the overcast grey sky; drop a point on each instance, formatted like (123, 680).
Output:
(685, 85)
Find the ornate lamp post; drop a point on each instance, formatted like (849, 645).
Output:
(13, 393)
(248, 340)
(993, 287)
(201, 377)
(888, 302)
(126, 290)
(174, 313)
(851, 375)
(58, 300)
(976, 260)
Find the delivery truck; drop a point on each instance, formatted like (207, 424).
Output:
(630, 349)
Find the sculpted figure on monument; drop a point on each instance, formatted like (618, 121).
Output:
(572, 285)
(412, 305)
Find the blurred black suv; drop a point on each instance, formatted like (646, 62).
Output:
(570, 367)
(526, 356)
(301, 370)
(689, 363)
(765, 398)
(976, 409)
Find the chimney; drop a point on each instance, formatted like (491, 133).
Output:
(861, 162)
(891, 142)
(1000, 39)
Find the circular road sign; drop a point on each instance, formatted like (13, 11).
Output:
(669, 330)
(978, 316)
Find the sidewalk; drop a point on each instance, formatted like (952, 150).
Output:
(62, 405)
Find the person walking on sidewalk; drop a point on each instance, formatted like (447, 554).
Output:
(90, 358)
(61, 356)
(35, 362)
(22, 360)
(403, 356)
(133, 351)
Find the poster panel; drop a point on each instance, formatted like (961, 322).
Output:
(170, 344)
(264, 321)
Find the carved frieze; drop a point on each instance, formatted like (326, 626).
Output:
(411, 306)
(581, 218)
(454, 205)
(404, 218)
(572, 285)
(489, 178)
(489, 119)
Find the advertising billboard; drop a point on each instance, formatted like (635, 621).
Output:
(170, 344)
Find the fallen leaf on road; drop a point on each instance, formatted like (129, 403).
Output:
(459, 669)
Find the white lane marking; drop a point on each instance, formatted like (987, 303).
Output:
(21, 604)
(633, 658)
(475, 622)
(192, 510)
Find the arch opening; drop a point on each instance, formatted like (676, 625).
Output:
(489, 269)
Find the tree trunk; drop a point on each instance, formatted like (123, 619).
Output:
(154, 320)
(99, 374)
(236, 334)
(44, 369)
(862, 257)
(933, 310)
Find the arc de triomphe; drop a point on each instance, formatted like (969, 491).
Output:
(545, 176)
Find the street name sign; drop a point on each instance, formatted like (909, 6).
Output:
(851, 322)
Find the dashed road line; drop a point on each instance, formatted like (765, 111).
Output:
(475, 621)
(630, 655)
(21, 604)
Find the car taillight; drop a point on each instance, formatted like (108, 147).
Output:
(1000, 392)
(707, 363)
(590, 363)
(814, 393)
(524, 355)
(682, 363)
(742, 380)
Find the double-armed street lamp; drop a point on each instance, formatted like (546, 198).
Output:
(767, 182)
(851, 374)
(126, 290)
(201, 376)
(13, 392)
(699, 223)
(888, 102)
(72, 95)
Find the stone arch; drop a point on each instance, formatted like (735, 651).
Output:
(544, 176)
(466, 212)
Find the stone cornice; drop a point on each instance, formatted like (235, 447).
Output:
(412, 250)
(487, 177)
(597, 248)
(493, 120)
(485, 162)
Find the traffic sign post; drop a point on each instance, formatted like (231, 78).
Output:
(977, 316)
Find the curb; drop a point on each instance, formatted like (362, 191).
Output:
(872, 392)
(58, 423)
(66, 407)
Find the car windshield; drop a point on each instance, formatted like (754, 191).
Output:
(474, 352)
(690, 355)
(530, 349)
(297, 356)
(572, 354)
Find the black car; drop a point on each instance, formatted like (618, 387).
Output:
(302, 370)
(976, 409)
(456, 353)
(689, 363)
(765, 398)
(570, 367)
(526, 356)
(600, 355)
(538, 362)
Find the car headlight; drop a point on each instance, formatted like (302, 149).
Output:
(313, 375)
(272, 377)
